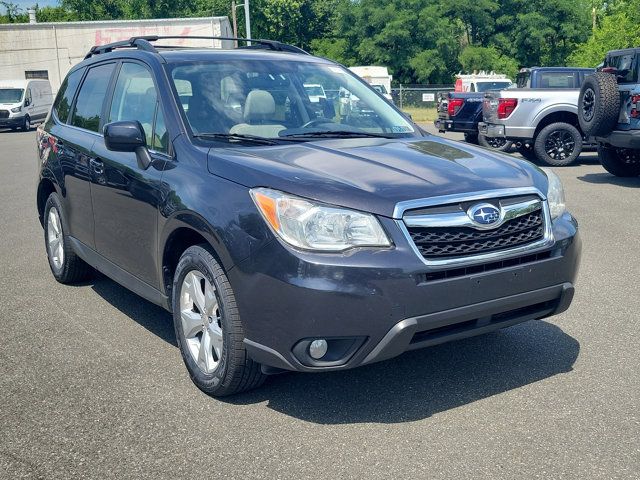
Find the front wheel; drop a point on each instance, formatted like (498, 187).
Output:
(26, 125)
(495, 143)
(208, 327)
(558, 144)
(621, 162)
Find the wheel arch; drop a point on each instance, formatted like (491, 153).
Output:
(181, 232)
(45, 188)
(564, 116)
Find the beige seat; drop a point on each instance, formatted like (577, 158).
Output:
(259, 110)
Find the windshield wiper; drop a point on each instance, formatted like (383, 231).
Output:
(334, 133)
(239, 137)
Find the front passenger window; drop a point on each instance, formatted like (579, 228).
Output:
(135, 98)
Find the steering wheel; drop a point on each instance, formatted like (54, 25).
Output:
(317, 121)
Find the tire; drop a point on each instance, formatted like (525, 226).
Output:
(26, 126)
(65, 265)
(495, 143)
(526, 150)
(621, 162)
(598, 104)
(558, 144)
(471, 138)
(204, 304)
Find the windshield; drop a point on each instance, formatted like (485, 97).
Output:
(279, 99)
(484, 86)
(11, 95)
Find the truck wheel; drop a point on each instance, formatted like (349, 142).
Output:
(65, 265)
(26, 126)
(558, 144)
(208, 327)
(471, 138)
(526, 150)
(621, 162)
(495, 143)
(598, 104)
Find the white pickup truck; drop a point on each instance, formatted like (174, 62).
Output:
(544, 121)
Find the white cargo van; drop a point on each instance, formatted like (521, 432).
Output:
(24, 102)
(377, 77)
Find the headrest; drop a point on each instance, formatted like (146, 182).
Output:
(259, 105)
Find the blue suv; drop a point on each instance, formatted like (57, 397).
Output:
(285, 232)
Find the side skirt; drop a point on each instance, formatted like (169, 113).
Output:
(119, 275)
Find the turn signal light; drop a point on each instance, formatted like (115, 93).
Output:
(455, 104)
(506, 106)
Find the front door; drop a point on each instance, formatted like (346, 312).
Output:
(125, 196)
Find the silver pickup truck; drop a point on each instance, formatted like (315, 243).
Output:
(543, 121)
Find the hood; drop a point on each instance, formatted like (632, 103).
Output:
(371, 174)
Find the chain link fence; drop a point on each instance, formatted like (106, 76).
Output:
(418, 96)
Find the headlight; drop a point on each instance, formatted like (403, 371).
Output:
(555, 194)
(16, 109)
(313, 226)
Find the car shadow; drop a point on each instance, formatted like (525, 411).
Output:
(607, 178)
(413, 386)
(152, 317)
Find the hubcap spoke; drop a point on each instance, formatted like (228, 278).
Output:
(200, 321)
(54, 238)
(191, 323)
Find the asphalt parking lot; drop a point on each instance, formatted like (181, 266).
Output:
(92, 384)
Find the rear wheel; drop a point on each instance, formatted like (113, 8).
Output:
(621, 162)
(558, 144)
(526, 150)
(471, 138)
(208, 327)
(495, 143)
(65, 265)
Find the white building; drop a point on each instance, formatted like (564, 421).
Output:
(49, 50)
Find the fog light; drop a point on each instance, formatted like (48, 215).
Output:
(318, 348)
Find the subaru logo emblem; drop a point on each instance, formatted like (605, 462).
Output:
(484, 214)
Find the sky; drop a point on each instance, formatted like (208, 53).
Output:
(24, 4)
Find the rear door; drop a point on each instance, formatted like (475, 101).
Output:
(126, 197)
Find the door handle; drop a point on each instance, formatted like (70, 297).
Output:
(97, 166)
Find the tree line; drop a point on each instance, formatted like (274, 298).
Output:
(420, 41)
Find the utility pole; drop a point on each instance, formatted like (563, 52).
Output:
(247, 20)
(235, 22)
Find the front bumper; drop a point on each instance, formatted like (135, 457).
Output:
(386, 301)
(622, 139)
(11, 122)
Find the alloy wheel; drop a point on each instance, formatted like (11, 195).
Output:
(496, 142)
(628, 156)
(201, 321)
(54, 238)
(588, 104)
(559, 144)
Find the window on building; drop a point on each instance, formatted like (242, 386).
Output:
(29, 74)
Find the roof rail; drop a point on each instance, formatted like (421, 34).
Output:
(144, 43)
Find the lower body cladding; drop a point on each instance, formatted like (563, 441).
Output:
(366, 306)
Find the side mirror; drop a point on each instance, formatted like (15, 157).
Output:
(128, 136)
(27, 102)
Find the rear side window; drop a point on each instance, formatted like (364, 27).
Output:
(86, 113)
(558, 80)
(62, 105)
(625, 66)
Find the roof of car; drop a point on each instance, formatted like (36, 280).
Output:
(195, 55)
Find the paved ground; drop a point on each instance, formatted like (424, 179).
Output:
(92, 384)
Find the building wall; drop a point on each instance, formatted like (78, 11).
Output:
(56, 47)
